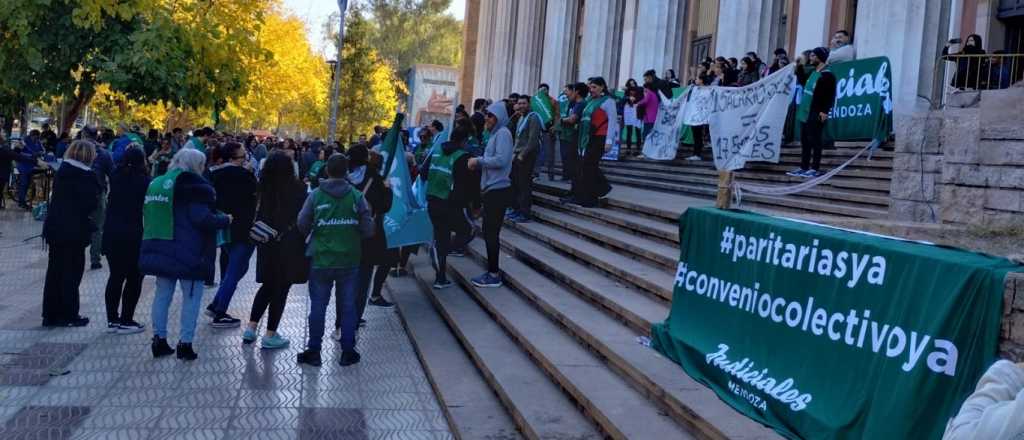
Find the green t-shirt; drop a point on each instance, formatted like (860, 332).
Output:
(336, 239)
(158, 207)
(440, 180)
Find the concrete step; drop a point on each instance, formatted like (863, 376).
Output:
(621, 411)
(617, 239)
(636, 309)
(825, 191)
(788, 158)
(654, 205)
(655, 280)
(705, 169)
(473, 411)
(804, 204)
(540, 409)
(658, 378)
(656, 229)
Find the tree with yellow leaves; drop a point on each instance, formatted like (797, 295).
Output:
(288, 92)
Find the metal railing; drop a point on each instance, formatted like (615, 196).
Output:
(975, 72)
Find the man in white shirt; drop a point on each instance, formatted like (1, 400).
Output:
(841, 50)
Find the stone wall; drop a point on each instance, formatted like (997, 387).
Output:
(962, 166)
(1011, 335)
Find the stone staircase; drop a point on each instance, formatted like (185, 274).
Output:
(861, 190)
(554, 354)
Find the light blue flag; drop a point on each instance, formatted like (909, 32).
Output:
(407, 223)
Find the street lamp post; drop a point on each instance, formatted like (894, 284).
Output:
(332, 124)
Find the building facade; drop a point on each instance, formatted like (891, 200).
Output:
(514, 45)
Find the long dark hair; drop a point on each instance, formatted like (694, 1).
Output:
(277, 186)
(132, 163)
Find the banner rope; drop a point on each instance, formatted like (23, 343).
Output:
(738, 188)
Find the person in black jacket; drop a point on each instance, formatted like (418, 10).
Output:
(280, 262)
(237, 191)
(122, 237)
(819, 96)
(67, 230)
(376, 258)
(6, 166)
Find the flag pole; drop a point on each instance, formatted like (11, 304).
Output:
(332, 124)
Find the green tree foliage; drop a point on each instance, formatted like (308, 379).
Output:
(408, 32)
(188, 53)
(369, 86)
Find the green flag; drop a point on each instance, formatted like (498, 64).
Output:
(407, 223)
(541, 105)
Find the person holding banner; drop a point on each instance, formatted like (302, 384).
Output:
(819, 95)
(337, 218)
(599, 119)
(495, 184)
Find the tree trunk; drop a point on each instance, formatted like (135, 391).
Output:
(71, 112)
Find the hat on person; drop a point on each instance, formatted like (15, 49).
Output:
(821, 53)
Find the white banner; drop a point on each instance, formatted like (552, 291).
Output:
(746, 122)
(663, 140)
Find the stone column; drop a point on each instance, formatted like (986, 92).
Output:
(745, 26)
(484, 56)
(660, 27)
(529, 45)
(500, 70)
(909, 33)
(602, 39)
(470, 33)
(559, 41)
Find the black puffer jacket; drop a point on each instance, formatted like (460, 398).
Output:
(76, 192)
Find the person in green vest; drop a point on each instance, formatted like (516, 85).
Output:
(819, 96)
(448, 177)
(313, 176)
(600, 118)
(198, 139)
(337, 218)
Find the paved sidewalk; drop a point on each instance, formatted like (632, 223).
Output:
(116, 390)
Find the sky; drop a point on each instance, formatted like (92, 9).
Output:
(315, 13)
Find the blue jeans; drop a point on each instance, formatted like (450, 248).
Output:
(239, 254)
(345, 283)
(24, 179)
(192, 298)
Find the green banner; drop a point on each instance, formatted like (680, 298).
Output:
(820, 332)
(863, 108)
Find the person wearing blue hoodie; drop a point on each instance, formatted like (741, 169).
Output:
(496, 186)
(180, 225)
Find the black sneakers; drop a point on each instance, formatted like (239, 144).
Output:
(381, 302)
(160, 347)
(349, 358)
(225, 320)
(186, 353)
(309, 357)
(130, 328)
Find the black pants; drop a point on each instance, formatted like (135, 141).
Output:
(522, 183)
(64, 269)
(629, 144)
(3, 189)
(590, 183)
(698, 139)
(379, 274)
(810, 143)
(123, 286)
(272, 297)
(568, 152)
(441, 219)
(495, 202)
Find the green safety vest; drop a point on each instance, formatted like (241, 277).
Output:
(158, 207)
(803, 112)
(588, 112)
(421, 152)
(440, 180)
(314, 170)
(336, 239)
